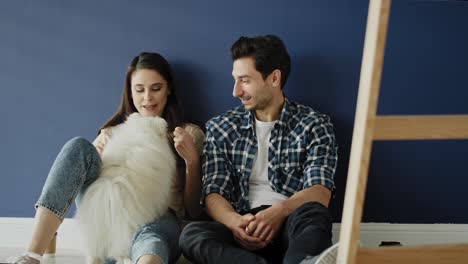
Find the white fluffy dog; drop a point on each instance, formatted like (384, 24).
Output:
(138, 170)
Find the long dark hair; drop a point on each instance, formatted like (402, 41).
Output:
(172, 112)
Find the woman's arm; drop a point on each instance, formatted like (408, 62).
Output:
(188, 142)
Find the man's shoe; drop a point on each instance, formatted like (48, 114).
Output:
(327, 257)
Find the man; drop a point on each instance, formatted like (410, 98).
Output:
(267, 171)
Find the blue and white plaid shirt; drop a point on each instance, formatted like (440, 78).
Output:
(302, 152)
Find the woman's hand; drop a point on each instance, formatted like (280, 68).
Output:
(101, 140)
(185, 147)
(188, 143)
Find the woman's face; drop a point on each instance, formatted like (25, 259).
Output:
(149, 92)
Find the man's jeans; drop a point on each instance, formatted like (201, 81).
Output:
(306, 232)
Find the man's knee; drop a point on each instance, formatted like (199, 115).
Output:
(311, 213)
(311, 208)
(192, 233)
(187, 234)
(197, 235)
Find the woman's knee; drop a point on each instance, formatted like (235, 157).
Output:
(166, 227)
(79, 148)
(159, 238)
(77, 144)
(149, 259)
(150, 232)
(78, 154)
(148, 245)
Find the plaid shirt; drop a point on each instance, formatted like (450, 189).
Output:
(301, 153)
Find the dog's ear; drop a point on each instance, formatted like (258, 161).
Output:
(133, 118)
(159, 125)
(147, 124)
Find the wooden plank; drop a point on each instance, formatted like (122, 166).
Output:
(443, 254)
(369, 83)
(421, 127)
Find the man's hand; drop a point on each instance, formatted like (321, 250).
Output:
(221, 210)
(267, 223)
(248, 242)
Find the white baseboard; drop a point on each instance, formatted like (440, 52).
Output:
(15, 232)
(372, 234)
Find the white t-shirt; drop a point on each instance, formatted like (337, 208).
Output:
(260, 192)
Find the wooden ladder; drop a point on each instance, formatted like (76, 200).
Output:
(368, 126)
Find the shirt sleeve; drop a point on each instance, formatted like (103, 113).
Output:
(216, 176)
(320, 165)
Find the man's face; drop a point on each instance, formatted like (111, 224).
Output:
(249, 86)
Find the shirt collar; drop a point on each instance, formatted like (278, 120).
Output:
(285, 115)
(248, 116)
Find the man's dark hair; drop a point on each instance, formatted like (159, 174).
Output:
(268, 52)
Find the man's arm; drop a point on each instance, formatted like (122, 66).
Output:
(316, 193)
(217, 187)
(319, 168)
(221, 210)
(269, 221)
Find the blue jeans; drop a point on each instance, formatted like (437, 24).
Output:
(76, 167)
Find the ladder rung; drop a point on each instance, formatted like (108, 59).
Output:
(421, 127)
(434, 254)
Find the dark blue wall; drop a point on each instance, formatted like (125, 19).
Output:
(62, 68)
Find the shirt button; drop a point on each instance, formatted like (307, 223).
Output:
(238, 170)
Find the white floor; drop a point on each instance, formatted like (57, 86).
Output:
(62, 257)
(15, 234)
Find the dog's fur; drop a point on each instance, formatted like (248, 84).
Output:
(138, 170)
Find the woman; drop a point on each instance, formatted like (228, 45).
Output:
(149, 89)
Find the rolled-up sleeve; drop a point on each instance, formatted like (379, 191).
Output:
(216, 176)
(320, 165)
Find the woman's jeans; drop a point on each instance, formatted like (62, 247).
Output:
(76, 167)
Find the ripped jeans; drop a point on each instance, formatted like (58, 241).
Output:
(76, 167)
